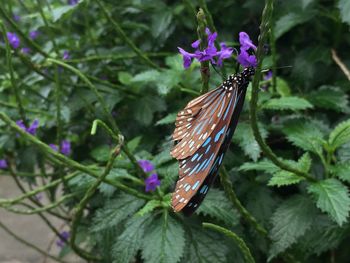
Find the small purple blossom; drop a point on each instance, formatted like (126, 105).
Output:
(63, 239)
(245, 41)
(152, 182)
(53, 147)
(268, 75)
(73, 2)
(3, 164)
(34, 34)
(26, 50)
(31, 129)
(65, 147)
(146, 165)
(17, 18)
(13, 39)
(209, 53)
(246, 60)
(66, 55)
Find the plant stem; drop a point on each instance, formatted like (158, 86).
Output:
(205, 71)
(239, 241)
(264, 28)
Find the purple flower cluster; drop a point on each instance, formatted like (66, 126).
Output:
(63, 239)
(31, 129)
(13, 39)
(33, 34)
(152, 181)
(244, 58)
(65, 147)
(209, 53)
(3, 164)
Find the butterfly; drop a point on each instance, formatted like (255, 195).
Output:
(204, 129)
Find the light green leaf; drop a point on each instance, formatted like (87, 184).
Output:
(264, 165)
(164, 242)
(290, 221)
(101, 153)
(124, 77)
(170, 118)
(129, 242)
(340, 135)
(216, 205)
(147, 76)
(344, 7)
(282, 177)
(287, 103)
(61, 11)
(333, 198)
(342, 171)
(282, 87)
(161, 22)
(149, 207)
(132, 144)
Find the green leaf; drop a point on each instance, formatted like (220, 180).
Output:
(290, 221)
(282, 177)
(340, 135)
(333, 198)
(132, 144)
(147, 76)
(101, 153)
(170, 118)
(329, 97)
(344, 7)
(245, 138)
(146, 107)
(61, 11)
(264, 166)
(124, 77)
(342, 171)
(216, 205)
(287, 103)
(149, 207)
(304, 134)
(115, 211)
(129, 242)
(164, 241)
(282, 87)
(161, 22)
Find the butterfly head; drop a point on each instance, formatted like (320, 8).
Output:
(248, 72)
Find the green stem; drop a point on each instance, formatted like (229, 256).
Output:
(28, 244)
(239, 241)
(12, 75)
(226, 183)
(264, 28)
(89, 193)
(274, 58)
(205, 71)
(125, 38)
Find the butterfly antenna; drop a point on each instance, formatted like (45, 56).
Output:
(214, 67)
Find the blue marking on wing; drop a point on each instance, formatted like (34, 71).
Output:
(206, 142)
(221, 156)
(203, 163)
(217, 136)
(209, 160)
(194, 187)
(217, 104)
(188, 187)
(207, 150)
(228, 107)
(193, 170)
(194, 157)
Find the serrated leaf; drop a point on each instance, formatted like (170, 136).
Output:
(264, 165)
(333, 198)
(342, 171)
(340, 135)
(216, 205)
(149, 207)
(132, 144)
(61, 11)
(164, 241)
(290, 221)
(101, 153)
(147, 76)
(304, 134)
(344, 7)
(245, 138)
(115, 211)
(330, 97)
(282, 177)
(129, 242)
(170, 118)
(287, 103)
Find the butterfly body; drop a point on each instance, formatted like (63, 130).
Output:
(203, 133)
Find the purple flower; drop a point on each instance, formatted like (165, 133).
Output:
(53, 147)
(17, 18)
(3, 164)
(152, 182)
(146, 165)
(34, 34)
(25, 50)
(224, 53)
(196, 43)
(245, 41)
(73, 2)
(246, 60)
(63, 239)
(13, 39)
(187, 57)
(31, 129)
(65, 147)
(268, 75)
(66, 55)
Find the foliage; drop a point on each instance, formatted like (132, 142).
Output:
(119, 63)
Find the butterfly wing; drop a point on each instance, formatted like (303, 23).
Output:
(198, 167)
